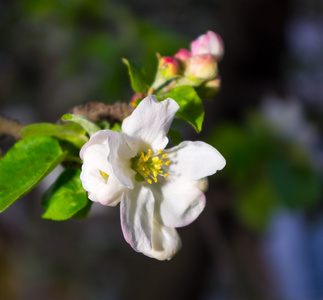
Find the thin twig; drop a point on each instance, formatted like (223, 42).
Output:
(10, 127)
(98, 111)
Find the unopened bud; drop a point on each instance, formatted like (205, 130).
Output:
(202, 67)
(209, 43)
(183, 55)
(168, 66)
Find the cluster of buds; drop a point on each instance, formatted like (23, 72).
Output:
(197, 67)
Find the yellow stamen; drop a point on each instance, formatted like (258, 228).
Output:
(147, 157)
(149, 165)
(155, 159)
(104, 175)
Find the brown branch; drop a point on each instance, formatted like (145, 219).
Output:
(98, 111)
(93, 111)
(10, 127)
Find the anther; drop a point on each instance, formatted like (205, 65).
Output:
(104, 175)
(155, 159)
(149, 165)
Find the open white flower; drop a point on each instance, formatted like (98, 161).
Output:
(159, 188)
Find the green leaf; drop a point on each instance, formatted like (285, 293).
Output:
(190, 105)
(25, 165)
(255, 204)
(84, 212)
(137, 76)
(73, 133)
(254, 151)
(116, 127)
(105, 125)
(89, 126)
(175, 136)
(298, 186)
(65, 197)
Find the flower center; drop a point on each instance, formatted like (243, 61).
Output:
(149, 166)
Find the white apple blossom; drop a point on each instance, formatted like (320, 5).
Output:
(159, 189)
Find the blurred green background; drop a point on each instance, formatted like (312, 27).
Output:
(261, 234)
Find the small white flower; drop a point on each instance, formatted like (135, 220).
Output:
(159, 188)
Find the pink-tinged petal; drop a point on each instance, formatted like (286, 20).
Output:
(183, 55)
(168, 66)
(216, 45)
(105, 190)
(195, 46)
(209, 43)
(193, 161)
(179, 202)
(202, 67)
(165, 242)
(149, 123)
(119, 155)
(99, 137)
(137, 213)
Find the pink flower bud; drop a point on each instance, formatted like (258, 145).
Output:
(183, 55)
(168, 66)
(202, 67)
(210, 43)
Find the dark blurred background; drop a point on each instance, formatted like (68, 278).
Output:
(261, 234)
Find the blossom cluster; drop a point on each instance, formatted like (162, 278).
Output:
(197, 66)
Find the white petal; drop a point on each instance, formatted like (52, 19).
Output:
(202, 184)
(165, 241)
(119, 155)
(193, 161)
(149, 123)
(107, 191)
(179, 202)
(137, 212)
(99, 137)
